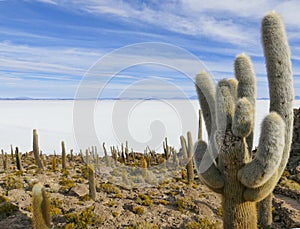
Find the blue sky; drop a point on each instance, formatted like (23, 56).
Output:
(48, 46)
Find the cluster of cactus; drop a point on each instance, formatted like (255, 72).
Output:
(226, 164)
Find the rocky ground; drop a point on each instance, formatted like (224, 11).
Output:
(126, 197)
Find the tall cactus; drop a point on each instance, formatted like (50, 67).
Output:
(229, 118)
(12, 153)
(40, 208)
(36, 150)
(188, 150)
(92, 187)
(18, 160)
(63, 156)
(4, 159)
(166, 148)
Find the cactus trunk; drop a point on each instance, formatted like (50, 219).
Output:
(236, 212)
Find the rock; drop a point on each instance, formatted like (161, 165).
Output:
(294, 160)
(80, 190)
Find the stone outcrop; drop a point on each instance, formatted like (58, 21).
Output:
(294, 161)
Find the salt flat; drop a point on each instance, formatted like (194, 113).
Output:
(141, 122)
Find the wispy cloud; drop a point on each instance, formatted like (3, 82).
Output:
(21, 58)
(214, 31)
(167, 16)
(228, 21)
(48, 1)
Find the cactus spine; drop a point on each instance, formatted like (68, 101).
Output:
(63, 156)
(36, 150)
(241, 180)
(92, 188)
(40, 208)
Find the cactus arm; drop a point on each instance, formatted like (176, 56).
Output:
(269, 153)
(279, 71)
(234, 86)
(212, 177)
(245, 75)
(260, 193)
(242, 124)
(216, 190)
(206, 93)
(225, 105)
(244, 72)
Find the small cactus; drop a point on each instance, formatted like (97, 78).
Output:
(127, 152)
(92, 188)
(144, 166)
(40, 208)
(54, 163)
(87, 156)
(71, 155)
(36, 150)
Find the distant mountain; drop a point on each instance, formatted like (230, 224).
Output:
(194, 97)
(28, 98)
